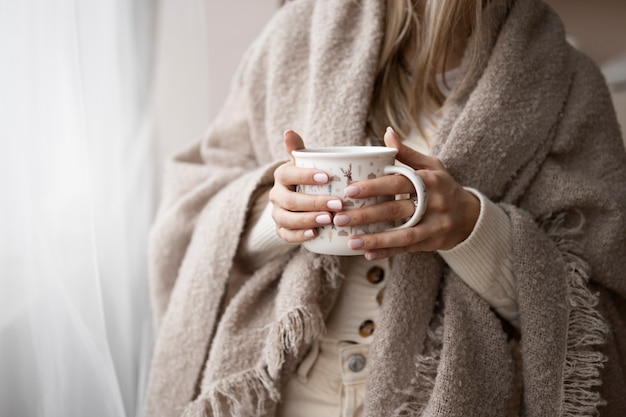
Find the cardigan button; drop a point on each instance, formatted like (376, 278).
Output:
(367, 328)
(356, 362)
(375, 275)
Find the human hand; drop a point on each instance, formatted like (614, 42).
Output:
(451, 211)
(297, 216)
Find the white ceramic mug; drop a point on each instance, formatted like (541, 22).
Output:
(344, 166)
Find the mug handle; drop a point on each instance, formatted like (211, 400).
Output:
(420, 190)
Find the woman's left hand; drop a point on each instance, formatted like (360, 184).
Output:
(451, 211)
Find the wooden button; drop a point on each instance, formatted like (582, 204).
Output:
(375, 275)
(367, 328)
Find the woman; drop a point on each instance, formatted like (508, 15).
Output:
(523, 239)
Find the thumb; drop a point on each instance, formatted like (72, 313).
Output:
(292, 141)
(409, 156)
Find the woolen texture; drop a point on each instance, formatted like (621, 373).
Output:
(534, 131)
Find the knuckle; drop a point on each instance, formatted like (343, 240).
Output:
(373, 241)
(435, 179)
(280, 232)
(407, 237)
(398, 182)
(279, 173)
(290, 201)
(359, 217)
(286, 235)
(396, 210)
(304, 221)
(305, 175)
(320, 203)
(280, 218)
(273, 194)
(436, 203)
(446, 224)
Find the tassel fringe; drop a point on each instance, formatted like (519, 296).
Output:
(331, 265)
(587, 328)
(252, 392)
(295, 329)
(254, 389)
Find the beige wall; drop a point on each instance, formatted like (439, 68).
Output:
(598, 28)
(199, 45)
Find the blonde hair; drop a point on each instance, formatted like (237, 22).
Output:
(433, 29)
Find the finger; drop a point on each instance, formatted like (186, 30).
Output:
(296, 236)
(403, 238)
(383, 186)
(292, 141)
(384, 212)
(300, 220)
(285, 198)
(409, 156)
(427, 245)
(290, 175)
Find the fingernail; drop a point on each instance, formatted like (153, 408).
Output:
(356, 243)
(372, 255)
(309, 233)
(323, 219)
(334, 205)
(389, 129)
(341, 219)
(352, 191)
(321, 178)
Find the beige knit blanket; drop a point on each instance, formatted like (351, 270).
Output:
(535, 131)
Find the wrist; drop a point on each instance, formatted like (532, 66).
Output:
(470, 209)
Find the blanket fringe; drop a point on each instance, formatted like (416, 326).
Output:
(252, 391)
(244, 394)
(331, 265)
(288, 334)
(587, 329)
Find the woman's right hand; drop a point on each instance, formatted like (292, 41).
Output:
(297, 216)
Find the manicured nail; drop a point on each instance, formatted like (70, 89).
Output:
(352, 190)
(335, 205)
(341, 219)
(321, 178)
(389, 129)
(323, 219)
(356, 243)
(309, 233)
(371, 255)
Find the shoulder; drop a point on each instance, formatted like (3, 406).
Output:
(589, 123)
(589, 95)
(588, 79)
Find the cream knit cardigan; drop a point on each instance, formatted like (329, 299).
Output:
(534, 131)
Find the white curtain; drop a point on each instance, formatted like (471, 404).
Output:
(76, 202)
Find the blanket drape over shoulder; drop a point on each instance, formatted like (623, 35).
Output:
(535, 131)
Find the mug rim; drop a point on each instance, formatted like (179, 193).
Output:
(344, 151)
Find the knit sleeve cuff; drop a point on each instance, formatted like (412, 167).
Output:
(260, 243)
(484, 259)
